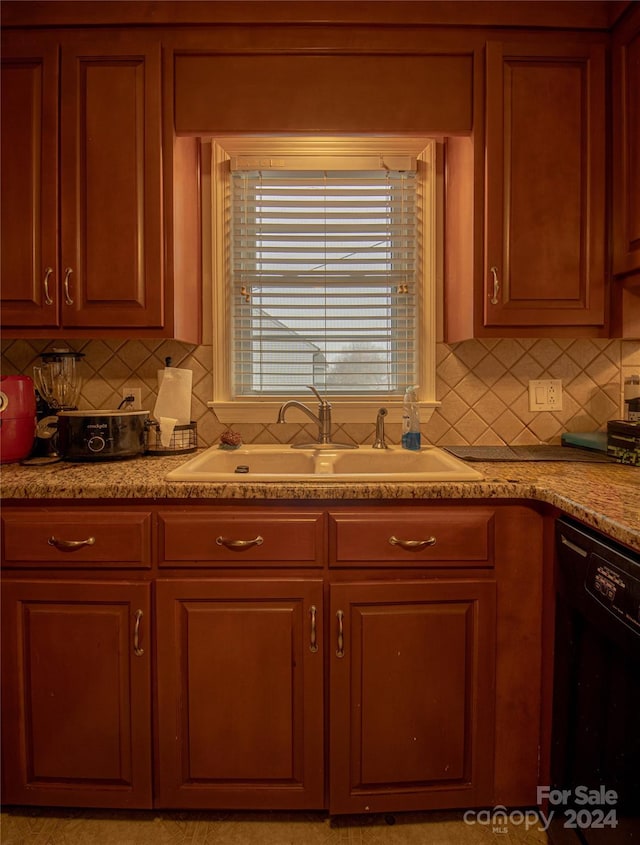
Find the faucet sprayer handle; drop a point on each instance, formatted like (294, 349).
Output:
(379, 442)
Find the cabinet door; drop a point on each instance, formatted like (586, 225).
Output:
(29, 179)
(412, 709)
(240, 700)
(111, 225)
(626, 140)
(76, 694)
(545, 197)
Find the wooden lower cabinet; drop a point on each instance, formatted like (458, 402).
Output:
(76, 693)
(358, 659)
(411, 695)
(240, 694)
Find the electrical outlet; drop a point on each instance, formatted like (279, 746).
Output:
(545, 394)
(136, 392)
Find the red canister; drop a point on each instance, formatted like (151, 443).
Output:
(17, 417)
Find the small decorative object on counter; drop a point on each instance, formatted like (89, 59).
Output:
(411, 420)
(230, 440)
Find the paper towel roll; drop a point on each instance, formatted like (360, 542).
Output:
(166, 430)
(173, 405)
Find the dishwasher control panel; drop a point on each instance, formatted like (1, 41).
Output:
(616, 589)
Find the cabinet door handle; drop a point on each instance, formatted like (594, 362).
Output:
(67, 286)
(412, 545)
(239, 544)
(496, 286)
(340, 649)
(66, 545)
(313, 638)
(136, 635)
(45, 284)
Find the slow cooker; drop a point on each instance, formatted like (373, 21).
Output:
(101, 435)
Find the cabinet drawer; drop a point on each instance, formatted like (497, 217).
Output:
(71, 538)
(429, 537)
(265, 538)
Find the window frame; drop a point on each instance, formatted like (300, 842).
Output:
(346, 408)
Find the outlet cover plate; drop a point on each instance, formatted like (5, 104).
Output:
(545, 394)
(136, 392)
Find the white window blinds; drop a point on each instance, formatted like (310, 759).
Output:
(323, 281)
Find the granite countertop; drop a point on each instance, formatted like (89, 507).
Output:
(605, 496)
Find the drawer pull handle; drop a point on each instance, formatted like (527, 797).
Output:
(313, 640)
(239, 544)
(136, 635)
(67, 545)
(340, 649)
(412, 545)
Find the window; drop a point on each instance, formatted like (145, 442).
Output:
(324, 273)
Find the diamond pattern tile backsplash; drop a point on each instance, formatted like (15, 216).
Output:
(482, 385)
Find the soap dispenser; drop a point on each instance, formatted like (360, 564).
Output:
(411, 420)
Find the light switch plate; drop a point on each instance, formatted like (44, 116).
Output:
(545, 394)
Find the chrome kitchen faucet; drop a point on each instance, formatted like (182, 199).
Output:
(322, 420)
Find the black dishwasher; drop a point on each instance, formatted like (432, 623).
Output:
(594, 797)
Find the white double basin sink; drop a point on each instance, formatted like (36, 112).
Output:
(258, 463)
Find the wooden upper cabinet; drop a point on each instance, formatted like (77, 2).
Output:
(29, 181)
(83, 203)
(111, 179)
(544, 262)
(626, 145)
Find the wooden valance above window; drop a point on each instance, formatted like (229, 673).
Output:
(329, 93)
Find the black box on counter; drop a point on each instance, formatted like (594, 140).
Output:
(623, 441)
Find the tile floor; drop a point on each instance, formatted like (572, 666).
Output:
(29, 826)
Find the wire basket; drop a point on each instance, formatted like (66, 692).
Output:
(183, 440)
